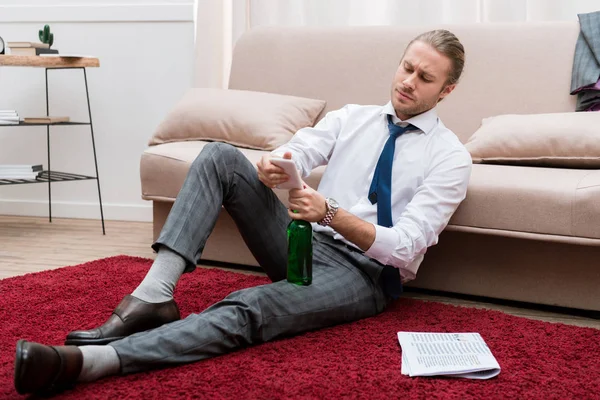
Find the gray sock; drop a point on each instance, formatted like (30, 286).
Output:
(98, 362)
(160, 281)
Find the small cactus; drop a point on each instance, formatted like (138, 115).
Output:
(46, 36)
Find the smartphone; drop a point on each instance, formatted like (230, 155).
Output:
(294, 181)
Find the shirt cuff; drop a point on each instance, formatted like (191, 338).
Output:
(386, 241)
(277, 153)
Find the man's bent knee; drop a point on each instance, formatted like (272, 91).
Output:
(218, 149)
(215, 152)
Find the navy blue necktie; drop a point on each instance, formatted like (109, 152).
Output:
(380, 193)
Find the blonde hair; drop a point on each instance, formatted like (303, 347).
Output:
(446, 43)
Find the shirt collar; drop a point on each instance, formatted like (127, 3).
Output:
(425, 121)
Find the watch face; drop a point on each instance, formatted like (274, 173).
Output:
(333, 203)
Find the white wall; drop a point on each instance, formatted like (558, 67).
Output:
(146, 52)
(412, 12)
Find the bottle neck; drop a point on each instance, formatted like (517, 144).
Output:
(299, 220)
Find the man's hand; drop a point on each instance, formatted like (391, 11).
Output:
(308, 204)
(270, 174)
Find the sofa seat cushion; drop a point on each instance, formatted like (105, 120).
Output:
(163, 169)
(549, 201)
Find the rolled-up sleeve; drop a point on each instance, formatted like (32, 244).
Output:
(426, 215)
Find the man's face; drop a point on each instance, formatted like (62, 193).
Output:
(420, 80)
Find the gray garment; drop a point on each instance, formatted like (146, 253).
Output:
(586, 62)
(160, 281)
(587, 98)
(345, 284)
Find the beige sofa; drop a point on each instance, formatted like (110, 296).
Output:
(523, 233)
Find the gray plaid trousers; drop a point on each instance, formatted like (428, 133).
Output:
(344, 288)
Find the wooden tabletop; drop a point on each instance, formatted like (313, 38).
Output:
(47, 62)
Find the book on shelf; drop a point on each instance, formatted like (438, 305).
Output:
(23, 175)
(45, 120)
(9, 117)
(452, 355)
(36, 45)
(67, 55)
(21, 167)
(31, 51)
(20, 171)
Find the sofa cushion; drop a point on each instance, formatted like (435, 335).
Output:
(528, 199)
(163, 169)
(569, 140)
(548, 201)
(243, 118)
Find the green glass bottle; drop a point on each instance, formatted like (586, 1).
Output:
(299, 268)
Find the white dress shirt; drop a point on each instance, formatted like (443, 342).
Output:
(430, 174)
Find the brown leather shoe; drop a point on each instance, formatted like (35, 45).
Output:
(43, 369)
(132, 315)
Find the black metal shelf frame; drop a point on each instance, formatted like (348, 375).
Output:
(50, 176)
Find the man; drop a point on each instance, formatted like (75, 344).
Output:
(365, 245)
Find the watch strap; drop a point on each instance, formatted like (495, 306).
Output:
(328, 215)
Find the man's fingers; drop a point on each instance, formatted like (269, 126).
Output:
(295, 211)
(278, 177)
(264, 161)
(268, 167)
(270, 174)
(273, 169)
(295, 204)
(263, 180)
(295, 194)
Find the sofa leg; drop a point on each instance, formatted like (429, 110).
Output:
(160, 212)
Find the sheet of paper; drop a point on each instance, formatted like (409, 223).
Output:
(404, 368)
(428, 354)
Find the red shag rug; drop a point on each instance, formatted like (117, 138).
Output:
(539, 360)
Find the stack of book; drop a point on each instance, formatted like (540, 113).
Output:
(45, 120)
(20, 171)
(9, 117)
(30, 48)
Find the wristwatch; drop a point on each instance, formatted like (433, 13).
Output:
(332, 208)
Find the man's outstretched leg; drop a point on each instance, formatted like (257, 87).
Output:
(220, 176)
(341, 292)
(43, 369)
